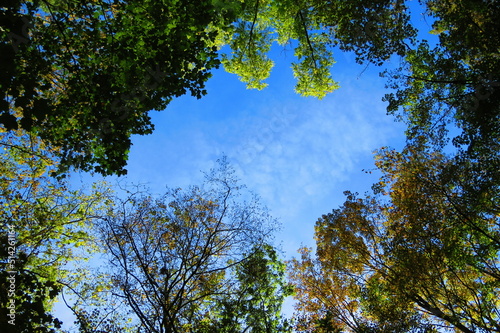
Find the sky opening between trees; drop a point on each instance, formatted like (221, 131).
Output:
(418, 251)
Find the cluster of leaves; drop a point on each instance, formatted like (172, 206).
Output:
(422, 253)
(374, 30)
(257, 296)
(425, 260)
(83, 76)
(43, 223)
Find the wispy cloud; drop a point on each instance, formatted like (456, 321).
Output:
(298, 154)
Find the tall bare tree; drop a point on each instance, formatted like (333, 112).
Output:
(173, 256)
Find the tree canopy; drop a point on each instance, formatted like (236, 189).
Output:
(424, 259)
(419, 254)
(44, 226)
(83, 76)
(195, 260)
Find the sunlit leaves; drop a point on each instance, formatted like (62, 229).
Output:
(48, 224)
(263, 22)
(374, 30)
(313, 67)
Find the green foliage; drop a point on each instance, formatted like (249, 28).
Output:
(454, 85)
(250, 40)
(423, 253)
(444, 219)
(256, 298)
(374, 30)
(43, 226)
(83, 76)
(263, 22)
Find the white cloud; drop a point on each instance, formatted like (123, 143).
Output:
(298, 154)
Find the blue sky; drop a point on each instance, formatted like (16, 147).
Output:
(298, 154)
